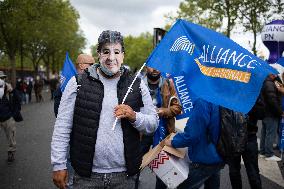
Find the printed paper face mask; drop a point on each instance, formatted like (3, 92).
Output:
(111, 58)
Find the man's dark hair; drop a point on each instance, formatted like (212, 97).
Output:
(110, 37)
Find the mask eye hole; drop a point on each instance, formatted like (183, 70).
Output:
(116, 52)
(105, 52)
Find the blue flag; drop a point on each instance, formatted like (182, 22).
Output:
(209, 65)
(68, 71)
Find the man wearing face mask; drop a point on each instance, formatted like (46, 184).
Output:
(8, 108)
(165, 100)
(100, 156)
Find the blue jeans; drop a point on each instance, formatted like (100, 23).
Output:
(70, 171)
(250, 157)
(268, 134)
(200, 174)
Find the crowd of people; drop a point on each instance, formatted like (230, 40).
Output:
(106, 158)
(26, 85)
(87, 153)
(11, 101)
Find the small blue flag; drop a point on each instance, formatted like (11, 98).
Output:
(68, 71)
(209, 65)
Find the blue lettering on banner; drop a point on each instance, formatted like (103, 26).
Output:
(183, 94)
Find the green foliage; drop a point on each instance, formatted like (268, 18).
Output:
(276, 11)
(226, 14)
(198, 11)
(253, 14)
(209, 13)
(137, 49)
(39, 30)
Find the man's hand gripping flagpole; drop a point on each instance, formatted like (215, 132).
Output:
(128, 91)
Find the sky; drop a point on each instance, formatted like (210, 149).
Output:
(132, 17)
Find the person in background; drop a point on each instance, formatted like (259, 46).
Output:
(29, 88)
(206, 163)
(273, 114)
(83, 62)
(38, 86)
(10, 106)
(165, 100)
(53, 83)
(250, 159)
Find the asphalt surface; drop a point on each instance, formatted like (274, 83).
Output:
(32, 169)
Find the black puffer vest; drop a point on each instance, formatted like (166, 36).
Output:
(86, 119)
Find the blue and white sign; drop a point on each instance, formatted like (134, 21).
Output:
(210, 65)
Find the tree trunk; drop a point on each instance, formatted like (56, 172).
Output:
(12, 58)
(22, 58)
(254, 43)
(229, 28)
(229, 19)
(47, 64)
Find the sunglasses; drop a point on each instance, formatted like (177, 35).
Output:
(89, 63)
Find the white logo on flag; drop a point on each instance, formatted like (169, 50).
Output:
(62, 79)
(183, 44)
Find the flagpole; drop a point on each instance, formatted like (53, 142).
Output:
(128, 91)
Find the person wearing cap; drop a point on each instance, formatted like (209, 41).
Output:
(10, 103)
(102, 157)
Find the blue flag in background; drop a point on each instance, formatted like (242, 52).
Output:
(210, 66)
(68, 71)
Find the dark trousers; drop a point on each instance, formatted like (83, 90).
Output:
(250, 158)
(199, 174)
(160, 184)
(145, 145)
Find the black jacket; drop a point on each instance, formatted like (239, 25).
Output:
(10, 106)
(272, 99)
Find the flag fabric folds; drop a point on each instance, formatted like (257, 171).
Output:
(208, 65)
(67, 72)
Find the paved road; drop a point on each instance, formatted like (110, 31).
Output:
(32, 169)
